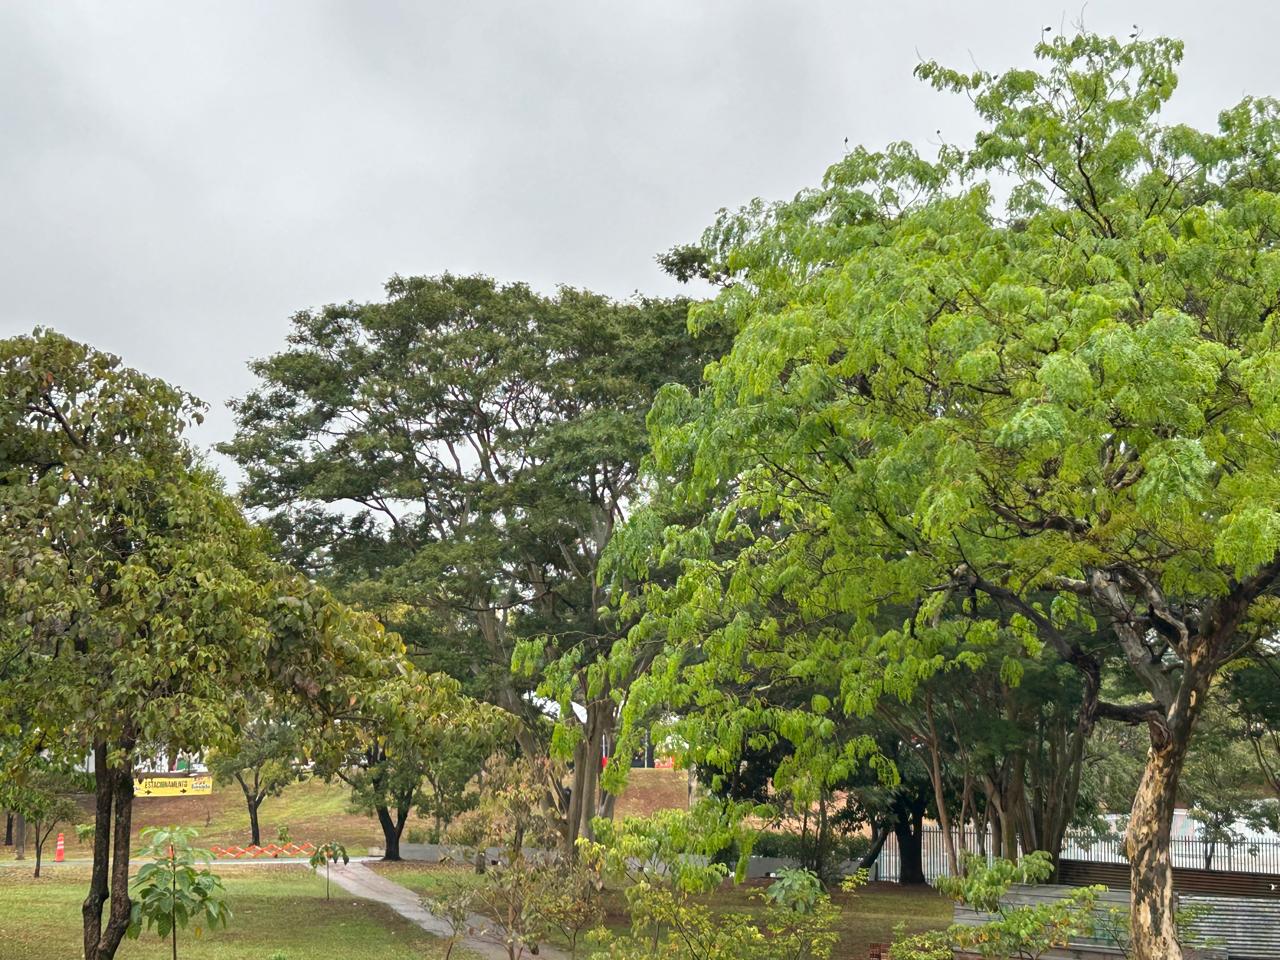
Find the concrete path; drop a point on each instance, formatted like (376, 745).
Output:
(358, 879)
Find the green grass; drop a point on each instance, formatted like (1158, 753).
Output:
(311, 810)
(276, 909)
(866, 917)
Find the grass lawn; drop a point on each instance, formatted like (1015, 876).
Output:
(277, 908)
(311, 810)
(867, 917)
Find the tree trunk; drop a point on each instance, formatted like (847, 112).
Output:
(910, 850)
(252, 800)
(8, 829)
(121, 905)
(254, 831)
(390, 833)
(99, 880)
(109, 879)
(878, 837)
(39, 850)
(1155, 936)
(939, 793)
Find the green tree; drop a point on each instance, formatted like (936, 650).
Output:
(1220, 783)
(45, 797)
(1255, 697)
(385, 744)
(458, 457)
(1023, 419)
(262, 761)
(135, 600)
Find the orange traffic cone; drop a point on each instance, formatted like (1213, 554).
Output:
(60, 853)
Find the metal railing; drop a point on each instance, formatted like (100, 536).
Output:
(1252, 855)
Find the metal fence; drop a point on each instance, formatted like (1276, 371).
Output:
(1250, 855)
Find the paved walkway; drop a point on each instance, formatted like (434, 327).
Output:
(358, 879)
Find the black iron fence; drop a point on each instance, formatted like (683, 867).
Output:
(1250, 855)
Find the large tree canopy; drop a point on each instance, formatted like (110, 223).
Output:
(137, 605)
(1022, 391)
(458, 457)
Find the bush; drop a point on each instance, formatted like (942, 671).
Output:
(1014, 931)
(524, 902)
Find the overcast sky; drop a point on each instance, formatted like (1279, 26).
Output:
(176, 179)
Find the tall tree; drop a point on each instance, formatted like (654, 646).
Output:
(458, 457)
(135, 600)
(1014, 419)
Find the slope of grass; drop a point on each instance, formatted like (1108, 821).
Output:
(277, 908)
(317, 811)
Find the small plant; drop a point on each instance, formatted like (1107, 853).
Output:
(453, 906)
(797, 890)
(84, 832)
(169, 892)
(283, 835)
(326, 854)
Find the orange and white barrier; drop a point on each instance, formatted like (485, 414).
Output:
(253, 851)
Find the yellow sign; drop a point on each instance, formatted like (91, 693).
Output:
(148, 785)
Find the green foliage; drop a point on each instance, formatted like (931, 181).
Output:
(669, 923)
(955, 431)
(138, 602)
(263, 760)
(797, 890)
(523, 902)
(1024, 932)
(667, 861)
(170, 892)
(1220, 784)
(676, 849)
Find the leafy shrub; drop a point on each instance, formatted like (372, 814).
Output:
(1015, 931)
(523, 903)
(169, 892)
(798, 890)
(670, 858)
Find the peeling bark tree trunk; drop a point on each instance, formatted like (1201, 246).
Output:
(1155, 936)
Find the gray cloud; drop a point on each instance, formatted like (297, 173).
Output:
(177, 179)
